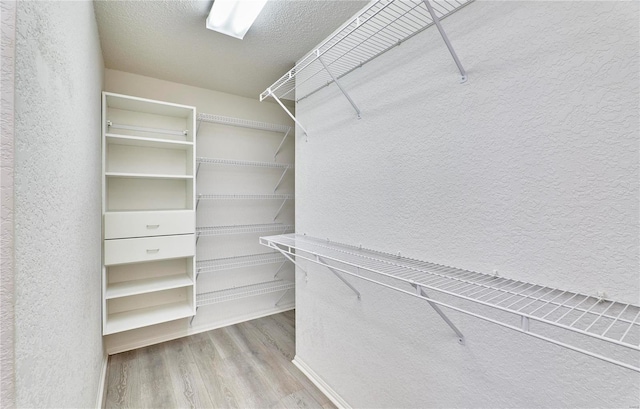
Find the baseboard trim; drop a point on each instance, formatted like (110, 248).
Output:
(196, 330)
(102, 386)
(321, 384)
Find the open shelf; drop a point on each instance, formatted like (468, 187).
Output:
(542, 312)
(229, 263)
(145, 176)
(376, 29)
(244, 229)
(135, 287)
(147, 142)
(234, 162)
(236, 293)
(143, 317)
(243, 123)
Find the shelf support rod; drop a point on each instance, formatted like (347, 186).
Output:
(284, 253)
(282, 296)
(279, 209)
(279, 269)
(280, 180)
(442, 315)
(275, 155)
(353, 104)
(193, 316)
(287, 111)
(344, 280)
(436, 21)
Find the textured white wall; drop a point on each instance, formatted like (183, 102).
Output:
(530, 168)
(7, 76)
(59, 70)
(225, 142)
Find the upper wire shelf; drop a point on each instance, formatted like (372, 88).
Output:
(468, 292)
(236, 293)
(230, 263)
(282, 196)
(244, 229)
(375, 30)
(243, 123)
(235, 162)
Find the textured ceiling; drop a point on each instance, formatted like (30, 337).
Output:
(168, 40)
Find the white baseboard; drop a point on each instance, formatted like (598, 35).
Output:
(116, 349)
(102, 386)
(321, 384)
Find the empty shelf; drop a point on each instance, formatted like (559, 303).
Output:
(243, 123)
(229, 263)
(127, 288)
(236, 293)
(143, 317)
(244, 229)
(147, 142)
(145, 175)
(537, 308)
(381, 26)
(247, 197)
(234, 162)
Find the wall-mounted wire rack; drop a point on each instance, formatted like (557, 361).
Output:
(543, 312)
(233, 162)
(284, 197)
(230, 263)
(244, 229)
(246, 123)
(375, 30)
(252, 290)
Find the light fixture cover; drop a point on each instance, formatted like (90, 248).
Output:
(234, 17)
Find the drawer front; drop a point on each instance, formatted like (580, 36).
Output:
(148, 249)
(119, 225)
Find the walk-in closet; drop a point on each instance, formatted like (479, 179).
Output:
(320, 204)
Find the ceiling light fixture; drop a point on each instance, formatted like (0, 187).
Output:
(234, 17)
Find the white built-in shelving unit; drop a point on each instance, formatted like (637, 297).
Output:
(589, 324)
(148, 208)
(221, 199)
(381, 26)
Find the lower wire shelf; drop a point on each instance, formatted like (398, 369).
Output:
(236, 293)
(536, 310)
(229, 263)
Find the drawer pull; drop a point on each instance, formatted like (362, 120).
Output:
(152, 226)
(153, 250)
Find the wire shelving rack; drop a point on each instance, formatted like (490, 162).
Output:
(497, 300)
(235, 162)
(251, 290)
(375, 30)
(230, 263)
(244, 229)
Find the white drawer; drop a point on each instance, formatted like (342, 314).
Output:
(119, 225)
(148, 249)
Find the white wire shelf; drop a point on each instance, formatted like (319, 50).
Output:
(246, 197)
(243, 123)
(541, 310)
(244, 229)
(234, 162)
(230, 263)
(375, 30)
(236, 293)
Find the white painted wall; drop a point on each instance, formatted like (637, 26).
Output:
(7, 127)
(530, 168)
(218, 141)
(59, 72)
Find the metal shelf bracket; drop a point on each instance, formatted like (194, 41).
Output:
(436, 21)
(286, 110)
(344, 280)
(353, 104)
(420, 291)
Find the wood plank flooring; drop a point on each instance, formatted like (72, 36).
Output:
(243, 366)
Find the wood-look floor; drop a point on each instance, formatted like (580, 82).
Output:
(243, 366)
